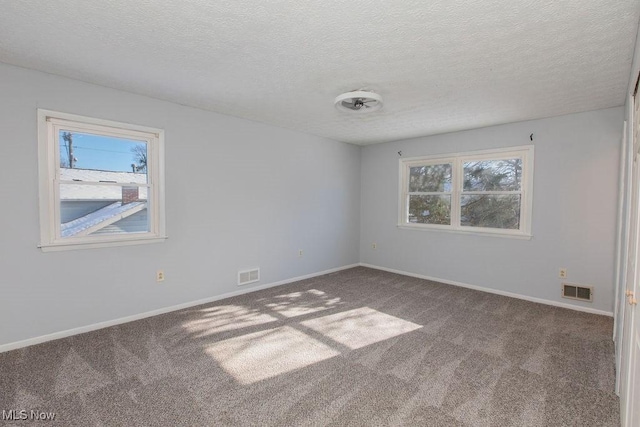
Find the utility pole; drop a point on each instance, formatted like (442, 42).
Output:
(68, 138)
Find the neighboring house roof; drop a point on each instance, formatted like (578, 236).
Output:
(98, 192)
(107, 215)
(99, 219)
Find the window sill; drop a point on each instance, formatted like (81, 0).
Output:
(510, 234)
(70, 246)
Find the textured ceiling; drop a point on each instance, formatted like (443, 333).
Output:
(440, 65)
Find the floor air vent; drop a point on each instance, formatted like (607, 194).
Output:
(248, 276)
(582, 293)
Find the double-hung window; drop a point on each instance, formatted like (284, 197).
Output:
(479, 192)
(101, 182)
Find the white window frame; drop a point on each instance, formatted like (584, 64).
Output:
(49, 124)
(457, 160)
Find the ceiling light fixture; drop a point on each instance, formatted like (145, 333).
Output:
(358, 101)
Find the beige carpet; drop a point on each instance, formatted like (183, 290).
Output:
(357, 347)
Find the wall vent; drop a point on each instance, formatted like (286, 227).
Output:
(248, 276)
(582, 293)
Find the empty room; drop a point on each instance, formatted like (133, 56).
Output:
(340, 213)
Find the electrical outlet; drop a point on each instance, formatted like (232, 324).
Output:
(160, 276)
(562, 274)
(300, 252)
(374, 246)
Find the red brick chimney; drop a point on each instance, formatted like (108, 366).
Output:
(130, 194)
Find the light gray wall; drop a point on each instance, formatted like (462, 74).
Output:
(238, 194)
(574, 210)
(243, 194)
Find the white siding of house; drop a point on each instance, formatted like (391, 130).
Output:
(74, 210)
(136, 223)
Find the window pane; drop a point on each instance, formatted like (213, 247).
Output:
(430, 209)
(493, 175)
(87, 210)
(117, 158)
(491, 211)
(89, 175)
(430, 178)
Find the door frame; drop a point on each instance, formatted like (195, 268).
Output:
(627, 356)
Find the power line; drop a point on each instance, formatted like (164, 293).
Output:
(102, 149)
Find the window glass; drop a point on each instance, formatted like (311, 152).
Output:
(85, 151)
(101, 182)
(469, 192)
(430, 209)
(430, 178)
(492, 211)
(492, 175)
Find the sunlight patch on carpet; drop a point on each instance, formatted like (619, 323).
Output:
(300, 303)
(360, 327)
(266, 354)
(226, 318)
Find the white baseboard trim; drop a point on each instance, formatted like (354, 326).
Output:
(493, 291)
(119, 321)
